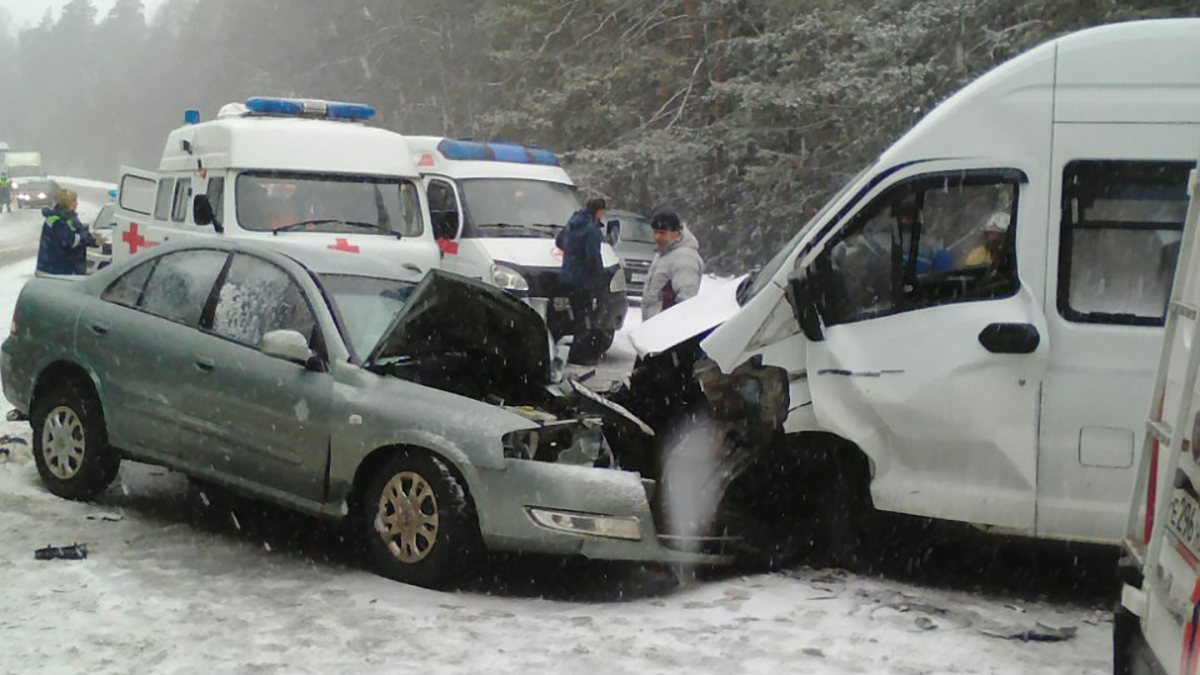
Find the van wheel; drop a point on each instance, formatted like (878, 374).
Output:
(70, 443)
(417, 524)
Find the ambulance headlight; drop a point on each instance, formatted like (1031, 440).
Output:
(617, 285)
(509, 279)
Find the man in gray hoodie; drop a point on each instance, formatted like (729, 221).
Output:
(675, 273)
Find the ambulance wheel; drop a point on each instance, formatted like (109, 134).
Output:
(70, 443)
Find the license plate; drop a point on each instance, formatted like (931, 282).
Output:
(561, 304)
(637, 278)
(1184, 520)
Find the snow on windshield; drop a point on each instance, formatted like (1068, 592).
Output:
(365, 306)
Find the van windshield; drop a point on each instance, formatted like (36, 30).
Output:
(272, 201)
(520, 207)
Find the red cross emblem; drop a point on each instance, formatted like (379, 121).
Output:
(134, 239)
(342, 245)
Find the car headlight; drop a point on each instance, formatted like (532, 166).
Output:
(509, 279)
(41, 195)
(23, 197)
(617, 285)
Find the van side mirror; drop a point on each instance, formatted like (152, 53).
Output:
(803, 301)
(614, 232)
(202, 212)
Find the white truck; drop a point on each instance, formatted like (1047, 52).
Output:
(968, 330)
(24, 164)
(497, 208)
(1155, 629)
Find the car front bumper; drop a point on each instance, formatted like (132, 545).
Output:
(513, 504)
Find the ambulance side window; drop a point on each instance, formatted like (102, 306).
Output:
(1122, 223)
(932, 240)
(162, 204)
(183, 193)
(216, 197)
(442, 203)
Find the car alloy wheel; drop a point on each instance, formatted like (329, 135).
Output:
(407, 520)
(64, 442)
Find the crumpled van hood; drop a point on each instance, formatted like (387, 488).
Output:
(467, 337)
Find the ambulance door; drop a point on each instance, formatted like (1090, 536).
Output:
(1119, 197)
(461, 254)
(932, 349)
(135, 197)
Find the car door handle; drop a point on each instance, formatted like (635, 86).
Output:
(1010, 338)
(205, 364)
(99, 328)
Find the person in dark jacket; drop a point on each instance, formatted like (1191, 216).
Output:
(582, 274)
(63, 247)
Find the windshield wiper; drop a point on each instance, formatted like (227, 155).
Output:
(325, 221)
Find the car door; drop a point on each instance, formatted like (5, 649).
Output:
(463, 255)
(267, 416)
(139, 341)
(933, 350)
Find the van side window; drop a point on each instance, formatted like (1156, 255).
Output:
(932, 240)
(1122, 222)
(183, 193)
(216, 197)
(442, 203)
(162, 204)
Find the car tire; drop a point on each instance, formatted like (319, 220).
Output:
(416, 522)
(70, 443)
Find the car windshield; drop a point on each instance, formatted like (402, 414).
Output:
(500, 205)
(764, 275)
(635, 227)
(306, 202)
(365, 306)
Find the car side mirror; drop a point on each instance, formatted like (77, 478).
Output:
(800, 295)
(445, 224)
(614, 232)
(289, 346)
(203, 214)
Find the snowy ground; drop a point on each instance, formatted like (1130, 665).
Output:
(174, 586)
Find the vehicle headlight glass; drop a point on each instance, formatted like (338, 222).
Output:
(617, 285)
(509, 279)
(596, 525)
(41, 195)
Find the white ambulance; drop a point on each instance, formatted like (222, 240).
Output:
(303, 169)
(971, 325)
(496, 208)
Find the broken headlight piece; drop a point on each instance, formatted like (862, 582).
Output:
(579, 442)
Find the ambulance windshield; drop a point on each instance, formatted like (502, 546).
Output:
(500, 207)
(273, 201)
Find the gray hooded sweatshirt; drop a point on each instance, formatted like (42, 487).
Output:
(674, 275)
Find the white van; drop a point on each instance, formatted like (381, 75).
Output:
(307, 170)
(976, 316)
(497, 207)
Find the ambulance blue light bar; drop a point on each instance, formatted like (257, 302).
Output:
(297, 107)
(496, 151)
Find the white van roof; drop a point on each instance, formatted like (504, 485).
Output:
(288, 144)
(431, 157)
(1139, 71)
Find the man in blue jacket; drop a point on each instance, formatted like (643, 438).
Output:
(63, 247)
(582, 272)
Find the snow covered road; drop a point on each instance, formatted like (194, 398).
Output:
(180, 580)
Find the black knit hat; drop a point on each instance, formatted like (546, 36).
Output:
(665, 220)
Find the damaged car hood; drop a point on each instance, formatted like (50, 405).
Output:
(467, 337)
(687, 319)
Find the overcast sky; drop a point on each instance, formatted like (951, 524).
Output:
(29, 12)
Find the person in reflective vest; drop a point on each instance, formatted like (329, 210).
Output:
(5, 192)
(63, 247)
